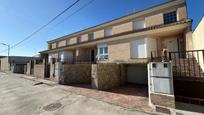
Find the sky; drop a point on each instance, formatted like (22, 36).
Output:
(19, 18)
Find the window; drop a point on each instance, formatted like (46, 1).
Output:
(170, 17)
(108, 32)
(103, 53)
(62, 57)
(138, 25)
(138, 48)
(68, 42)
(91, 36)
(78, 39)
(54, 45)
(49, 46)
(49, 58)
(57, 44)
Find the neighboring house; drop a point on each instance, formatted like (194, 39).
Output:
(198, 40)
(17, 64)
(198, 36)
(129, 39)
(2, 56)
(0, 61)
(132, 40)
(117, 52)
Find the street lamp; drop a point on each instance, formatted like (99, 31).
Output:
(8, 53)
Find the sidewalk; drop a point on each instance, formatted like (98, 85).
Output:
(20, 97)
(44, 81)
(127, 96)
(131, 98)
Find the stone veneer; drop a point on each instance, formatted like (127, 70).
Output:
(162, 100)
(106, 76)
(75, 73)
(39, 70)
(52, 70)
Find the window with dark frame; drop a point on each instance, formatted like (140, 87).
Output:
(78, 39)
(68, 42)
(91, 36)
(170, 17)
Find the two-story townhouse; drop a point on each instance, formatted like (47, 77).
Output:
(132, 41)
(129, 39)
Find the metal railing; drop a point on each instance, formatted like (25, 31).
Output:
(185, 63)
(188, 63)
(78, 60)
(156, 56)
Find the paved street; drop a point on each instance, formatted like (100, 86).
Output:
(19, 96)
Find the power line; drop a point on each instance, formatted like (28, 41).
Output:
(42, 27)
(84, 6)
(69, 16)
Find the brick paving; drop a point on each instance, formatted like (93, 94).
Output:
(129, 96)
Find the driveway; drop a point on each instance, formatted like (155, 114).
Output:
(19, 96)
(128, 96)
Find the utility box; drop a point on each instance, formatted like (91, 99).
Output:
(160, 84)
(161, 77)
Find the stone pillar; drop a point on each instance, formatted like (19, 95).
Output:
(28, 71)
(160, 85)
(52, 69)
(94, 80)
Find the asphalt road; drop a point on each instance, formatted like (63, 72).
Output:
(20, 96)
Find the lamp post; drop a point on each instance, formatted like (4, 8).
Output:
(8, 53)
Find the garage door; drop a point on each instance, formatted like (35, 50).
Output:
(137, 74)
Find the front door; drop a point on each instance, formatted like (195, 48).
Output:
(171, 44)
(92, 55)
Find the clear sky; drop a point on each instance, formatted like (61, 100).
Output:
(19, 18)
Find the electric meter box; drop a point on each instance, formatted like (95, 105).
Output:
(160, 77)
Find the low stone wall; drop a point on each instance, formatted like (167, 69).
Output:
(162, 100)
(106, 76)
(39, 70)
(75, 73)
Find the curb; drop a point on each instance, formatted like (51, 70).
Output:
(32, 78)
